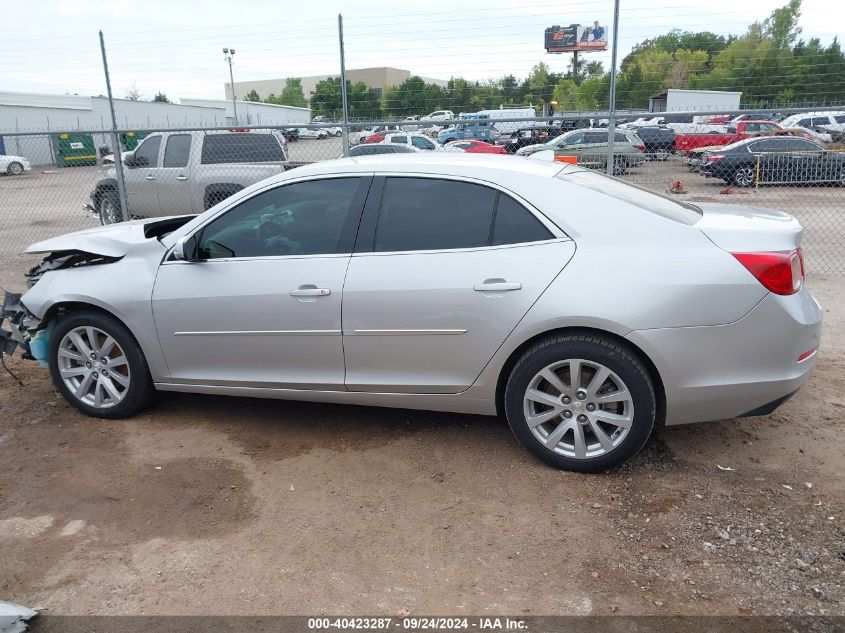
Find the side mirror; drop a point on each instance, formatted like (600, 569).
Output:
(185, 249)
(129, 159)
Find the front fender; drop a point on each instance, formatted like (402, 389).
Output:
(105, 287)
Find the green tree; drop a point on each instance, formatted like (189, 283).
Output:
(161, 98)
(252, 95)
(292, 94)
(326, 100)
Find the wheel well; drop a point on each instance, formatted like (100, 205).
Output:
(219, 192)
(101, 189)
(74, 306)
(659, 389)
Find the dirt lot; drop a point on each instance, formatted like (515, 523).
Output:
(233, 506)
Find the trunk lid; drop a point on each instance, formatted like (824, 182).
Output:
(741, 228)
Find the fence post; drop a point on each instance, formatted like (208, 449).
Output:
(611, 119)
(345, 125)
(118, 154)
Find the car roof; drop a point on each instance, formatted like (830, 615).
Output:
(489, 167)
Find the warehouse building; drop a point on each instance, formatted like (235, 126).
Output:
(62, 114)
(377, 78)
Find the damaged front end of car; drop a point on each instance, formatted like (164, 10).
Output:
(26, 330)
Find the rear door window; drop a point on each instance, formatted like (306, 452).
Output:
(514, 224)
(241, 148)
(432, 214)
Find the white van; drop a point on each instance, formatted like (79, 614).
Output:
(509, 127)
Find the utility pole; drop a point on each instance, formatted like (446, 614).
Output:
(611, 119)
(228, 53)
(117, 149)
(345, 126)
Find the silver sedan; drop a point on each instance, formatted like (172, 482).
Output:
(583, 309)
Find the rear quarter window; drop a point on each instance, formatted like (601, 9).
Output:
(682, 212)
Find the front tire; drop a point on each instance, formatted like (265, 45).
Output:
(14, 169)
(109, 208)
(580, 402)
(98, 366)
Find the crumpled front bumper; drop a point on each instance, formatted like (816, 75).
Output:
(20, 321)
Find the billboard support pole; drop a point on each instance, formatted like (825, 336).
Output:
(345, 125)
(575, 67)
(611, 120)
(117, 153)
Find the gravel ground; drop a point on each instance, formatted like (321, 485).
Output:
(233, 506)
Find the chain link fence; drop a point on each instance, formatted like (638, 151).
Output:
(68, 181)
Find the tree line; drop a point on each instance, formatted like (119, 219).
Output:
(769, 64)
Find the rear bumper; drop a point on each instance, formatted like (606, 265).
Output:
(744, 368)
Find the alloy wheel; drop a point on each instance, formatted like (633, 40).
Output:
(93, 367)
(578, 408)
(744, 177)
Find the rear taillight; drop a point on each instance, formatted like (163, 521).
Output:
(712, 158)
(781, 272)
(640, 147)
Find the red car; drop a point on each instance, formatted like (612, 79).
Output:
(477, 147)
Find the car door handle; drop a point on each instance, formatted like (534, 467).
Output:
(149, 177)
(310, 292)
(497, 285)
(181, 177)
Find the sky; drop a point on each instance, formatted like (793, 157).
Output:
(175, 46)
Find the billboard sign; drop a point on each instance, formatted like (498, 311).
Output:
(575, 37)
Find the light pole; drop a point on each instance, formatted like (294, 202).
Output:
(228, 53)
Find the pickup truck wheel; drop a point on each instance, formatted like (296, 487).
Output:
(744, 177)
(620, 166)
(337, 133)
(14, 169)
(109, 208)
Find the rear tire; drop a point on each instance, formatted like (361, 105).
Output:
(98, 366)
(744, 177)
(573, 424)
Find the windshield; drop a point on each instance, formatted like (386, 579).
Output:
(683, 212)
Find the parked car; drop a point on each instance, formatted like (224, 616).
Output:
(312, 133)
(684, 142)
(658, 141)
(439, 115)
(535, 135)
(371, 149)
(13, 165)
(829, 120)
(290, 134)
(419, 141)
(590, 147)
(476, 147)
(334, 130)
(774, 160)
(374, 134)
(707, 316)
(468, 127)
(173, 173)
